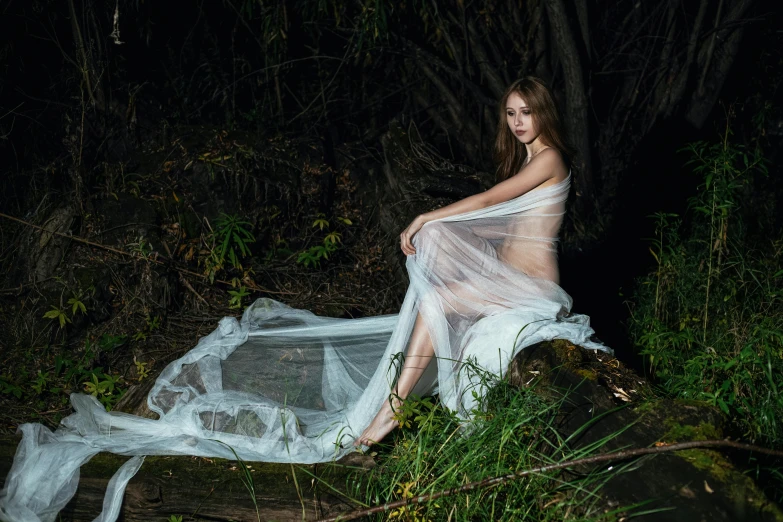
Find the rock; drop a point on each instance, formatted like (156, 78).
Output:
(692, 485)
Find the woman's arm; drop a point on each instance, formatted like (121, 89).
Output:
(542, 168)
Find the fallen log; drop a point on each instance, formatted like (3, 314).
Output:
(198, 488)
(597, 390)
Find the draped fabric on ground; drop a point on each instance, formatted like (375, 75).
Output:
(284, 385)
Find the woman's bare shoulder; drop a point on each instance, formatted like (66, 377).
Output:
(548, 167)
(552, 160)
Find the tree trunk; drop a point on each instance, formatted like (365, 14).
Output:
(208, 489)
(717, 63)
(576, 101)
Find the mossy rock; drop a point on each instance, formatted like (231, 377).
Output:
(692, 485)
(748, 500)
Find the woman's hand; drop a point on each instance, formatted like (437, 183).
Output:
(407, 235)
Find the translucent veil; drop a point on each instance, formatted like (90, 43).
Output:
(284, 385)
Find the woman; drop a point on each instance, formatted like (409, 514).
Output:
(530, 151)
(284, 385)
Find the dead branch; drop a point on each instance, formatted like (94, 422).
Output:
(494, 481)
(190, 288)
(542, 63)
(456, 52)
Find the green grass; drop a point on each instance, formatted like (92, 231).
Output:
(709, 320)
(434, 451)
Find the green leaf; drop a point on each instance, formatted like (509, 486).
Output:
(224, 246)
(320, 223)
(76, 305)
(53, 314)
(233, 258)
(241, 244)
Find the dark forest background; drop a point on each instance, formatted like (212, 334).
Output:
(160, 129)
(634, 79)
(87, 83)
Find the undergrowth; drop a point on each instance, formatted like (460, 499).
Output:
(514, 431)
(51, 386)
(709, 319)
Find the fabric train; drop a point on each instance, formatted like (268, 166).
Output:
(284, 385)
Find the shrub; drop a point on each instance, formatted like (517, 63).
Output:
(709, 319)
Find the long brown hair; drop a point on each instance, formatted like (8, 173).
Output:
(510, 153)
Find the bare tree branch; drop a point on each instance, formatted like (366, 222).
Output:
(662, 81)
(456, 52)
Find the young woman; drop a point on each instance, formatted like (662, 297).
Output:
(530, 151)
(284, 385)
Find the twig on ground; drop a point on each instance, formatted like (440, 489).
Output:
(187, 285)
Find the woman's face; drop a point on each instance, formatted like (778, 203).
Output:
(520, 119)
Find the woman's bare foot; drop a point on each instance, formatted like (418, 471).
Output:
(383, 423)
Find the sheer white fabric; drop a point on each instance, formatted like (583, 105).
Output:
(284, 385)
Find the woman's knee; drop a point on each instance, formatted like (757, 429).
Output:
(431, 233)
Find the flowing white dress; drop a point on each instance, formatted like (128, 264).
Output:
(284, 385)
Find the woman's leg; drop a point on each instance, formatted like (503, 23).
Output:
(420, 353)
